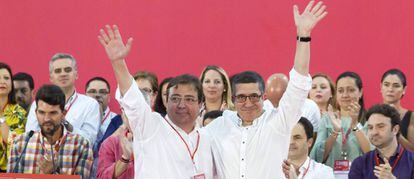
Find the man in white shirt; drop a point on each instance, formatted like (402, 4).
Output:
(100, 89)
(252, 142)
(299, 164)
(276, 85)
(170, 147)
(81, 111)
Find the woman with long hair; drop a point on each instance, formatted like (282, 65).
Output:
(12, 116)
(340, 135)
(393, 88)
(322, 91)
(216, 89)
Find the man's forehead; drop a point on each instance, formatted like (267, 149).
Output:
(46, 106)
(183, 89)
(247, 88)
(21, 83)
(62, 63)
(298, 129)
(97, 84)
(378, 118)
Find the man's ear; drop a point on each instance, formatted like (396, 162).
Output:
(396, 129)
(310, 143)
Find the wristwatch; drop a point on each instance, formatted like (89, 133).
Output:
(356, 128)
(303, 39)
(2, 120)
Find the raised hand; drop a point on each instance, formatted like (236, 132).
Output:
(306, 21)
(354, 109)
(384, 171)
(125, 137)
(111, 40)
(334, 117)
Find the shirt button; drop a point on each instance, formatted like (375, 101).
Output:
(244, 142)
(242, 176)
(242, 159)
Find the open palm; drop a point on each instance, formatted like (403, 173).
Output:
(111, 40)
(306, 21)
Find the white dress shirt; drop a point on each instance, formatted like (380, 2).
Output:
(83, 115)
(314, 170)
(158, 150)
(107, 116)
(257, 151)
(310, 111)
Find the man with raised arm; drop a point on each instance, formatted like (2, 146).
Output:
(170, 147)
(252, 142)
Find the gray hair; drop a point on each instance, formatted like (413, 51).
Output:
(58, 56)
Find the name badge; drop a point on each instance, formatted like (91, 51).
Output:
(199, 176)
(341, 165)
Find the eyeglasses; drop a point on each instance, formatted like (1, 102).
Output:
(242, 98)
(102, 91)
(147, 90)
(187, 100)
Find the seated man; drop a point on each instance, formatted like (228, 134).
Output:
(298, 161)
(52, 149)
(389, 160)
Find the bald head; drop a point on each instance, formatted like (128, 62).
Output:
(276, 85)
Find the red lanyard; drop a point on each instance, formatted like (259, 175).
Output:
(345, 136)
(70, 105)
(106, 116)
(57, 147)
(377, 162)
(306, 171)
(188, 148)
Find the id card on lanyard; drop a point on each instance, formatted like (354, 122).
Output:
(198, 174)
(344, 164)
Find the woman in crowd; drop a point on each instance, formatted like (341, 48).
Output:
(322, 92)
(161, 99)
(393, 88)
(216, 90)
(12, 116)
(340, 135)
(148, 82)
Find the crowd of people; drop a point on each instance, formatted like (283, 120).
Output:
(212, 126)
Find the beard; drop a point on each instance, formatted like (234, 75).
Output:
(49, 128)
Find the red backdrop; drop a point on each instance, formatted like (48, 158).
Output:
(174, 37)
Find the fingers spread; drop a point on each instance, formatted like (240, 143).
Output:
(110, 32)
(309, 6)
(316, 7)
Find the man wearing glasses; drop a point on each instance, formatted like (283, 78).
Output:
(170, 147)
(252, 142)
(81, 111)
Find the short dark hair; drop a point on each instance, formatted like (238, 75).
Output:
(307, 125)
(247, 77)
(151, 77)
(385, 110)
(158, 104)
(22, 76)
(98, 78)
(11, 95)
(52, 95)
(397, 72)
(187, 79)
(212, 114)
